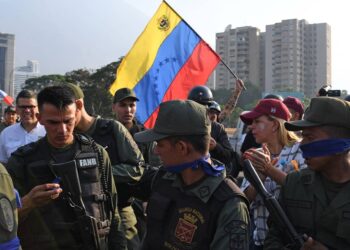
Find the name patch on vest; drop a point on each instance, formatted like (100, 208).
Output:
(87, 163)
(187, 224)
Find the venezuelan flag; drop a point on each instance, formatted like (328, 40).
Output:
(5, 97)
(165, 62)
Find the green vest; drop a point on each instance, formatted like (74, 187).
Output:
(8, 208)
(305, 202)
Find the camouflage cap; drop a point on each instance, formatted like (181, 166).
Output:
(10, 109)
(177, 118)
(323, 111)
(124, 93)
(78, 92)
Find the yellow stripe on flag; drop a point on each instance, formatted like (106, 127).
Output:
(144, 51)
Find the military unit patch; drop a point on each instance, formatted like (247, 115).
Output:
(187, 225)
(185, 230)
(7, 217)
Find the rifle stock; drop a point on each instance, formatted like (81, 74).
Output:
(272, 205)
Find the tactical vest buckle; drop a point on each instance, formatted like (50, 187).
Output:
(100, 197)
(103, 224)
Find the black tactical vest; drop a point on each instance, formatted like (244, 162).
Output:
(142, 146)
(104, 135)
(54, 226)
(177, 221)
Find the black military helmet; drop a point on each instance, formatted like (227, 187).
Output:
(201, 94)
(215, 106)
(273, 96)
(347, 98)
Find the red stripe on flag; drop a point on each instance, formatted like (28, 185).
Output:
(8, 100)
(195, 71)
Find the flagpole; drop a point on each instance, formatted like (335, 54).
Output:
(222, 61)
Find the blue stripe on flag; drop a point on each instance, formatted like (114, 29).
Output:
(171, 56)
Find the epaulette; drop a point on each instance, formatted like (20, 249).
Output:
(26, 149)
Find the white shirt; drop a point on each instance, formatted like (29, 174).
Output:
(15, 136)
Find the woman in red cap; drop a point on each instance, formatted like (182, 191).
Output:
(279, 155)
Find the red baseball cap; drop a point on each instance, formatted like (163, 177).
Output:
(271, 107)
(295, 104)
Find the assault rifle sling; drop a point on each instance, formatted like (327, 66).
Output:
(68, 173)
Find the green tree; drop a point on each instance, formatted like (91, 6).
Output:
(95, 85)
(246, 101)
(38, 83)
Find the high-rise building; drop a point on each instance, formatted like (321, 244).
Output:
(7, 51)
(23, 73)
(292, 56)
(239, 49)
(297, 56)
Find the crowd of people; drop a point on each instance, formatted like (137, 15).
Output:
(72, 180)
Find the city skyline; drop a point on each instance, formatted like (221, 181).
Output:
(68, 35)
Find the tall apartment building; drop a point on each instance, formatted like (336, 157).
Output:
(7, 44)
(239, 48)
(23, 73)
(317, 60)
(292, 55)
(297, 56)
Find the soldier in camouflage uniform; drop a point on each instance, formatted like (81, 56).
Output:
(316, 199)
(191, 204)
(54, 214)
(125, 157)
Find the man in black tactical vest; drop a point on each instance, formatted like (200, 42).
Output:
(66, 181)
(126, 159)
(191, 205)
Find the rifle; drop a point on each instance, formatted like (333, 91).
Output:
(272, 205)
(68, 173)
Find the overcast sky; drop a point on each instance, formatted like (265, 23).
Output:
(64, 35)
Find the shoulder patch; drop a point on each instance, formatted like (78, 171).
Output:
(238, 234)
(7, 217)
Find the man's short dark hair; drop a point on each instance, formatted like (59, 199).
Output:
(28, 94)
(58, 96)
(200, 143)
